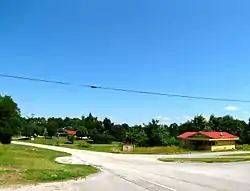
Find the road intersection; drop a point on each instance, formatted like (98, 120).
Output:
(145, 173)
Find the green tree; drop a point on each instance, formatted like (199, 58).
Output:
(119, 131)
(137, 136)
(10, 122)
(81, 132)
(245, 133)
(173, 129)
(199, 123)
(52, 126)
(156, 133)
(28, 129)
(71, 139)
(214, 123)
(108, 125)
(228, 124)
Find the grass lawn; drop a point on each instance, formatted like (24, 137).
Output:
(159, 150)
(239, 154)
(204, 160)
(78, 144)
(244, 147)
(28, 165)
(114, 147)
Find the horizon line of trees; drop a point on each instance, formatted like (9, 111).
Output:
(106, 131)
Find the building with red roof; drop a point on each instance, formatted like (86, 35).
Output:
(70, 132)
(214, 141)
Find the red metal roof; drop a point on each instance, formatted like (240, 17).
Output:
(186, 135)
(218, 135)
(70, 132)
(212, 135)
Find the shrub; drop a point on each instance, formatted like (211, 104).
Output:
(24, 139)
(90, 141)
(84, 145)
(116, 150)
(5, 138)
(99, 138)
(71, 138)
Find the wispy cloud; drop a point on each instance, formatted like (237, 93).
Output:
(186, 117)
(163, 119)
(231, 108)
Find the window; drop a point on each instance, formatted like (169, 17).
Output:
(212, 143)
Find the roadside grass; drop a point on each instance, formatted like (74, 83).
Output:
(239, 154)
(78, 144)
(53, 141)
(115, 147)
(28, 165)
(204, 160)
(243, 147)
(159, 150)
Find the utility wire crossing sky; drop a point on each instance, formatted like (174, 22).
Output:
(186, 58)
(124, 90)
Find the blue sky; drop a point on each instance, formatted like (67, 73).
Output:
(198, 48)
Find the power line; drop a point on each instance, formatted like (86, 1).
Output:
(124, 90)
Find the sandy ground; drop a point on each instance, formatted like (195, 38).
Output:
(145, 173)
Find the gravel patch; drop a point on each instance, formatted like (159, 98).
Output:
(70, 160)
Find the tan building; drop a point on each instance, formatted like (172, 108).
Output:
(214, 141)
(127, 147)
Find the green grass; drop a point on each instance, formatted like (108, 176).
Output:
(159, 150)
(78, 144)
(24, 165)
(204, 160)
(239, 154)
(113, 148)
(244, 147)
(53, 141)
(116, 148)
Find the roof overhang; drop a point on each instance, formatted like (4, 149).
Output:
(209, 139)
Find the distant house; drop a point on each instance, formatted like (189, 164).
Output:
(70, 132)
(127, 147)
(214, 141)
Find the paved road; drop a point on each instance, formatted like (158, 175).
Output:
(145, 173)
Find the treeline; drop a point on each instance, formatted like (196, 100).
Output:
(106, 131)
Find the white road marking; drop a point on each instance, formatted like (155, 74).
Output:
(157, 184)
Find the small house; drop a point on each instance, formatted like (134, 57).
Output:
(214, 141)
(70, 132)
(127, 147)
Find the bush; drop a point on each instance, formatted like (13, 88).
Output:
(84, 145)
(90, 141)
(101, 138)
(116, 150)
(71, 138)
(159, 150)
(5, 138)
(24, 139)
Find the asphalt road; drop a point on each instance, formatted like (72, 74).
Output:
(144, 173)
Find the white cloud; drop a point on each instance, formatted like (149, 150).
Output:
(246, 112)
(163, 119)
(206, 117)
(186, 117)
(231, 108)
